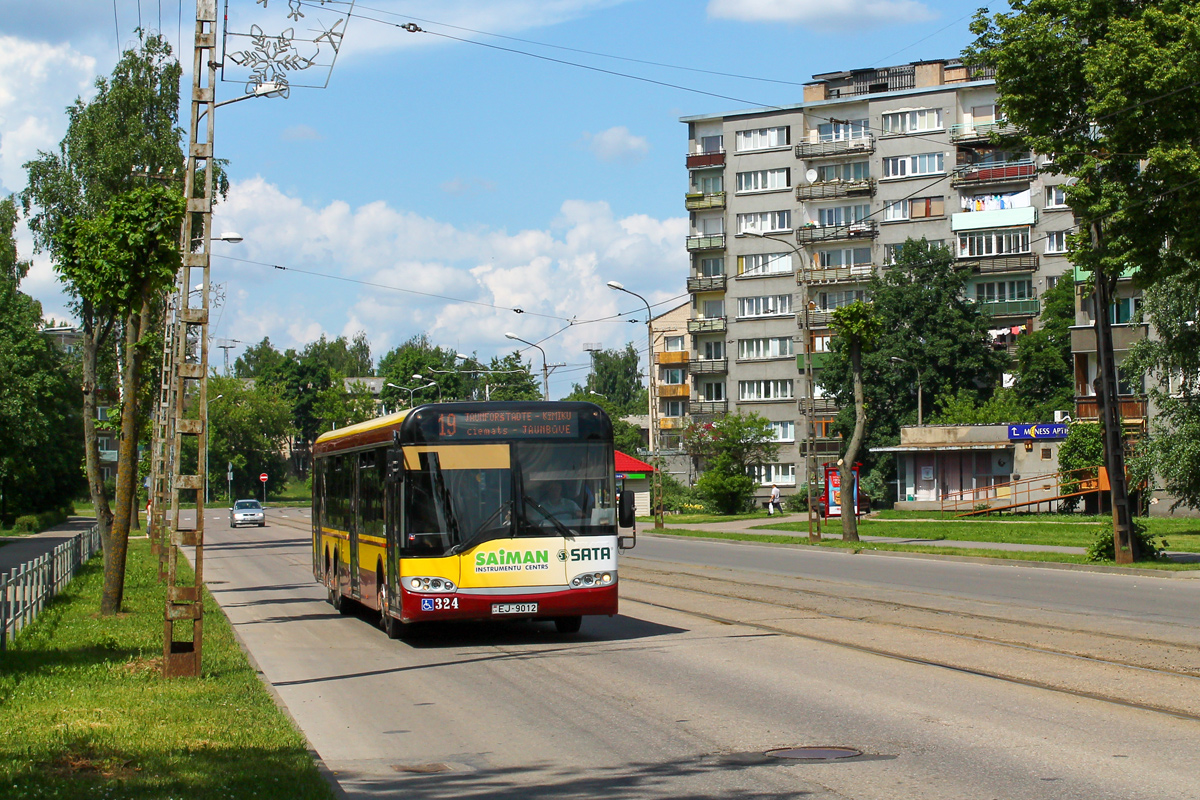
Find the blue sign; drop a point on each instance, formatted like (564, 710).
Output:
(1056, 430)
(427, 604)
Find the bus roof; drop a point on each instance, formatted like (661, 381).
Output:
(390, 421)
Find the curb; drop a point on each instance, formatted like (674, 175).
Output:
(1007, 562)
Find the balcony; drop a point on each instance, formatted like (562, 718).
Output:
(1024, 262)
(857, 273)
(710, 283)
(671, 423)
(710, 366)
(707, 325)
(703, 407)
(674, 390)
(821, 446)
(712, 241)
(821, 405)
(1003, 172)
(699, 202)
(827, 189)
(1133, 408)
(1012, 308)
(838, 147)
(819, 318)
(674, 357)
(864, 229)
(968, 131)
(698, 160)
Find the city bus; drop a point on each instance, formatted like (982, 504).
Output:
(471, 511)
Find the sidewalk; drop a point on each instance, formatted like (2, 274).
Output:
(19, 550)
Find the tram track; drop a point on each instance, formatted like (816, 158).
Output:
(1087, 668)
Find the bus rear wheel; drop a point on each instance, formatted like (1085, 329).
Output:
(568, 624)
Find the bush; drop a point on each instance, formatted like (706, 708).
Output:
(27, 523)
(36, 523)
(797, 502)
(1103, 548)
(723, 488)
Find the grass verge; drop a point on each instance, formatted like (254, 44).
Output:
(701, 519)
(941, 550)
(88, 715)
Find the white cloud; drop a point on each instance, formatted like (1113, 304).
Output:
(617, 145)
(554, 275)
(301, 133)
(37, 82)
(822, 13)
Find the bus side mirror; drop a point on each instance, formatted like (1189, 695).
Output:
(395, 463)
(625, 512)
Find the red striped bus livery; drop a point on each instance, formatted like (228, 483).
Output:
(471, 511)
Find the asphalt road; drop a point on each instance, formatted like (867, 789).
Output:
(660, 702)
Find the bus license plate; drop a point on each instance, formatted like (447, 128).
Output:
(514, 608)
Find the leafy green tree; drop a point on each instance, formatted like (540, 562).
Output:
(263, 362)
(927, 322)
(627, 437)
(512, 379)
(965, 408)
(1171, 450)
(729, 447)
(249, 427)
(339, 406)
(1099, 86)
(1082, 449)
(617, 375)
(41, 442)
(1045, 380)
(856, 329)
(419, 356)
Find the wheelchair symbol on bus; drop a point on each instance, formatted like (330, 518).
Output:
(427, 604)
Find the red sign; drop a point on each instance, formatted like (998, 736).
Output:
(263, 477)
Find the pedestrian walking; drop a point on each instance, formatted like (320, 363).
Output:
(773, 504)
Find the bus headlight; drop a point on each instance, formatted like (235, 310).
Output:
(593, 579)
(423, 584)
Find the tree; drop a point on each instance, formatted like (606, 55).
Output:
(512, 379)
(419, 356)
(250, 427)
(1045, 379)
(856, 329)
(41, 443)
(263, 362)
(965, 408)
(339, 406)
(1099, 86)
(730, 447)
(1171, 450)
(627, 437)
(617, 374)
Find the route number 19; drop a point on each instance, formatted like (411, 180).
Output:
(448, 425)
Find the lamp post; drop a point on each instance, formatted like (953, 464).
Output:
(593, 391)
(410, 391)
(545, 369)
(432, 382)
(920, 416)
(810, 409)
(657, 475)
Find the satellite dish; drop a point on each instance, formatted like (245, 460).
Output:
(810, 176)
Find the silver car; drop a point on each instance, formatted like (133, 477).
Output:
(247, 512)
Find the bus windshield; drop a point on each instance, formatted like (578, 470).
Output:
(561, 489)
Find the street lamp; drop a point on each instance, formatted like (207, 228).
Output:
(432, 382)
(207, 439)
(410, 391)
(593, 391)
(898, 360)
(545, 369)
(810, 410)
(653, 389)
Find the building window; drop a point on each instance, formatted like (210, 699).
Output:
(766, 474)
(784, 431)
(850, 171)
(765, 264)
(925, 207)
(1056, 197)
(1000, 291)
(921, 164)
(995, 201)
(765, 305)
(763, 138)
(828, 301)
(673, 344)
(764, 180)
(712, 144)
(844, 257)
(712, 391)
(1047, 454)
(713, 309)
(708, 182)
(823, 428)
(926, 119)
(671, 376)
(1051, 281)
(843, 215)
(712, 350)
(997, 242)
(982, 115)
(1056, 242)
(821, 342)
(672, 408)
(764, 222)
(773, 347)
(712, 267)
(765, 390)
(843, 130)
(895, 212)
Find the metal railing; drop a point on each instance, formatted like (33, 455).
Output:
(998, 172)
(26, 590)
(835, 147)
(711, 241)
(980, 130)
(836, 188)
(696, 201)
(863, 229)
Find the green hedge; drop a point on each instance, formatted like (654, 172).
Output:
(36, 523)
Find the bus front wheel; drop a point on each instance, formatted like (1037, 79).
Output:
(568, 624)
(391, 626)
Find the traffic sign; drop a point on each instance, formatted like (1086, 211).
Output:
(263, 477)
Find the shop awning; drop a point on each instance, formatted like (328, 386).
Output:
(924, 448)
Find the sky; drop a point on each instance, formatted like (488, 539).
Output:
(435, 184)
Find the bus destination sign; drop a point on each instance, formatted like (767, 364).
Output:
(475, 425)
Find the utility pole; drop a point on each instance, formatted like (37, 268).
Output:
(228, 345)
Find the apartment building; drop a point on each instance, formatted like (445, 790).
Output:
(793, 209)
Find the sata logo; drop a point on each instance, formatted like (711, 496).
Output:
(591, 554)
(427, 604)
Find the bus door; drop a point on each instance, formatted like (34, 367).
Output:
(392, 490)
(354, 521)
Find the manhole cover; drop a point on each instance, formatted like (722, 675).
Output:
(814, 753)
(422, 769)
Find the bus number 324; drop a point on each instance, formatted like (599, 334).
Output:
(439, 603)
